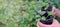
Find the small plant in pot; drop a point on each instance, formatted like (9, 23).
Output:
(46, 15)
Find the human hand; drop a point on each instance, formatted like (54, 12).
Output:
(54, 24)
(53, 10)
(56, 11)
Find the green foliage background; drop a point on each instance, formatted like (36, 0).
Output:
(20, 13)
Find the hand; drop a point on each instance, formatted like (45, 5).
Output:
(53, 10)
(54, 24)
(56, 12)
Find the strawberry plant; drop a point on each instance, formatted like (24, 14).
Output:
(26, 13)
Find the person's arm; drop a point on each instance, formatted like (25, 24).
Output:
(56, 12)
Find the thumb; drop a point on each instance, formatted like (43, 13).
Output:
(53, 10)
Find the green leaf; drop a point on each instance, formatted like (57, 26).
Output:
(50, 13)
(41, 12)
(11, 23)
(43, 18)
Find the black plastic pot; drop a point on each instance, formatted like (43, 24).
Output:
(48, 21)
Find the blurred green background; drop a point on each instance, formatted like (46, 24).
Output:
(20, 13)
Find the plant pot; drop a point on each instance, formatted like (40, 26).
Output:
(48, 21)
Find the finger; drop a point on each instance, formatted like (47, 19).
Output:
(38, 25)
(53, 10)
(55, 21)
